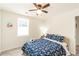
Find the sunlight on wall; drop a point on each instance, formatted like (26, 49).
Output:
(43, 30)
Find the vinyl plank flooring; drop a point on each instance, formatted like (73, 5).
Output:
(14, 52)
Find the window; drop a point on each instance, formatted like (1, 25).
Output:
(22, 26)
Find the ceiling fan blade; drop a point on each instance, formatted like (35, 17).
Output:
(35, 5)
(33, 10)
(45, 6)
(44, 11)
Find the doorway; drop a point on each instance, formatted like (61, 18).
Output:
(77, 34)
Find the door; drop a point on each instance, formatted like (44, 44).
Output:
(77, 30)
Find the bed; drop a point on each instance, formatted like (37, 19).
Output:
(49, 45)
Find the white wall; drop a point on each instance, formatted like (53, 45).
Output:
(10, 39)
(64, 24)
(35, 24)
(9, 35)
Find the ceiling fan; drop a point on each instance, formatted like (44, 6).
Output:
(40, 8)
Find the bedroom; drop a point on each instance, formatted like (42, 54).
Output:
(59, 20)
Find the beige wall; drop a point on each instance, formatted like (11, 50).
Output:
(64, 24)
(10, 39)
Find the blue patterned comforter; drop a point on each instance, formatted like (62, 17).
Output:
(42, 47)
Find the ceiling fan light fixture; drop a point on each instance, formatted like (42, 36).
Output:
(39, 12)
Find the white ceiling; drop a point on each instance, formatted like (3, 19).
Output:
(54, 8)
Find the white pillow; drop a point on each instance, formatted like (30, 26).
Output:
(66, 49)
(64, 43)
